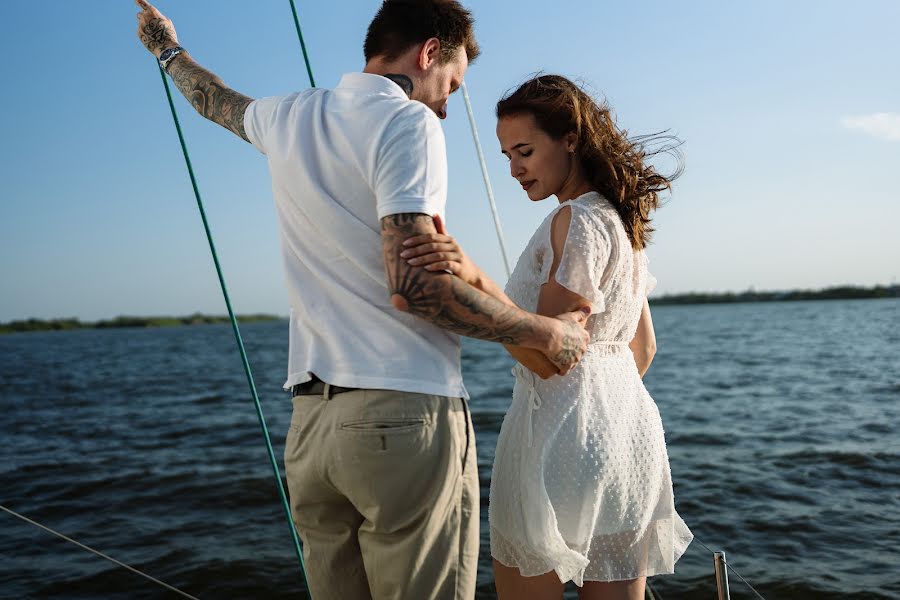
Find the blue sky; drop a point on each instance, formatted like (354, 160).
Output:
(790, 114)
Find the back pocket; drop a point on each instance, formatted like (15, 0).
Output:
(381, 434)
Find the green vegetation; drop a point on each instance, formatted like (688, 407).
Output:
(125, 321)
(833, 293)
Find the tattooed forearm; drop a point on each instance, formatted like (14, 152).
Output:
(209, 95)
(203, 89)
(453, 304)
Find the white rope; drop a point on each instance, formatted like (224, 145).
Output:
(487, 180)
(97, 552)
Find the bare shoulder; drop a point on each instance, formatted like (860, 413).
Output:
(559, 228)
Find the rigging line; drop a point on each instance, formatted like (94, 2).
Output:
(98, 553)
(312, 80)
(484, 175)
(733, 570)
(237, 332)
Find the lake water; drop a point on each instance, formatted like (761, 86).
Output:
(782, 421)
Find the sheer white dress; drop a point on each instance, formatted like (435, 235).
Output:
(581, 482)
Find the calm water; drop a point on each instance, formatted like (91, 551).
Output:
(782, 422)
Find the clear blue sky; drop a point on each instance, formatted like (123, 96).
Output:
(790, 113)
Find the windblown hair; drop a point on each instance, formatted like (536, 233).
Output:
(401, 24)
(615, 165)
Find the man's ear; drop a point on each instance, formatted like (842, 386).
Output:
(429, 52)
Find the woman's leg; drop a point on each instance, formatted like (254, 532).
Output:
(632, 589)
(511, 585)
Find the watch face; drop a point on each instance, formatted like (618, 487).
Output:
(166, 54)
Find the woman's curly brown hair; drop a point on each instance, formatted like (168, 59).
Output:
(615, 165)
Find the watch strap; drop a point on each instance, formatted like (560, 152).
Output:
(168, 55)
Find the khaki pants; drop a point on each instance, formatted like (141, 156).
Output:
(384, 493)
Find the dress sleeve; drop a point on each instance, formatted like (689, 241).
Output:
(650, 280)
(584, 257)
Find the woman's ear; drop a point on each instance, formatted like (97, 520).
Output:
(571, 141)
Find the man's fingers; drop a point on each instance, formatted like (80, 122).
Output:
(578, 316)
(149, 8)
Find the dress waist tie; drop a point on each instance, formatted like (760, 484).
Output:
(525, 378)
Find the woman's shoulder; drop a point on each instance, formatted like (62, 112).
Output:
(590, 212)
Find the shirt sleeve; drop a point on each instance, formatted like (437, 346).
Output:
(259, 118)
(584, 258)
(410, 174)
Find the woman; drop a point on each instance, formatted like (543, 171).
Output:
(581, 488)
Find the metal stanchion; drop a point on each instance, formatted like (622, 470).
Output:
(721, 575)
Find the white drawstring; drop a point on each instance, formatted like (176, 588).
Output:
(525, 378)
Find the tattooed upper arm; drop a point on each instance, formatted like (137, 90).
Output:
(209, 95)
(409, 286)
(446, 300)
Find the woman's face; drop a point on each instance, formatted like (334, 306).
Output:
(542, 165)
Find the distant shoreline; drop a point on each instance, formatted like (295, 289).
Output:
(846, 292)
(833, 293)
(28, 325)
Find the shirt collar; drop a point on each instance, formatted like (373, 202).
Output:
(371, 82)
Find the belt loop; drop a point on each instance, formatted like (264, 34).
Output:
(326, 393)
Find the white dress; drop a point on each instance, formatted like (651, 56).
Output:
(581, 482)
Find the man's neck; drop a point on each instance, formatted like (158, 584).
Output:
(391, 71)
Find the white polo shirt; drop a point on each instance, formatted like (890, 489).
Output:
(341, 160)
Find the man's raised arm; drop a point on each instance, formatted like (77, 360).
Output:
(206, 92)
(452, 304)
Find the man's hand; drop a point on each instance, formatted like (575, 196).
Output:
(156, 31)
(567, 346)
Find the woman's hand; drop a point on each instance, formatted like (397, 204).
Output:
(440, 252)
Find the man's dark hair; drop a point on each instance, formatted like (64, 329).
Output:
(401, 24)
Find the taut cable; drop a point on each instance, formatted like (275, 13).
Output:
(237, 331)
(98, 553)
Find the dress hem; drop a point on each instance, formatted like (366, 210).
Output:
(649, 573)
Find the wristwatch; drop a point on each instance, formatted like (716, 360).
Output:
(167, 55)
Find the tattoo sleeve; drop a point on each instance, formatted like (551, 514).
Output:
(209, 95)
(445, 300)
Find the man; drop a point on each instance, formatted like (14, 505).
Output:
(380, 457)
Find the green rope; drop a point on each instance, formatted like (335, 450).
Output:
(237, 332)
(312, 80)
